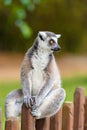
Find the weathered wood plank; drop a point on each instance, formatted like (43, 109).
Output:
(27, 120)
(85, 114)
(67, 116)
(56, 121)
(12, 124)
(43, 124)
(79, 100)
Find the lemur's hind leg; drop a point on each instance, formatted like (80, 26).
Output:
(51, 104)
(13, 103)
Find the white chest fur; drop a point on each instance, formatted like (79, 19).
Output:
(40, 59)
(39, 63)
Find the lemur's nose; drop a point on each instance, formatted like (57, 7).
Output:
(57, 48)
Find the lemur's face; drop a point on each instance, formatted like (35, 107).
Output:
(49, 41)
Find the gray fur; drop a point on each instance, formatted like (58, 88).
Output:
(50, 34)
(41, 83)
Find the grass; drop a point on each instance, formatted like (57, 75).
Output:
(5, 88)
(69, 84)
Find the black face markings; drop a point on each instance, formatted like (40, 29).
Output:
(41, 37)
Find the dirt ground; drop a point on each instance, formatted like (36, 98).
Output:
(69, 65)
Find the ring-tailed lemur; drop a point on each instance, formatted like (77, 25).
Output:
(41, 84)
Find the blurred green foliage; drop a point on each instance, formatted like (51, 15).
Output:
(20, 20)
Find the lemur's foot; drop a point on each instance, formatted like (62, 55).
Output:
(36, 113)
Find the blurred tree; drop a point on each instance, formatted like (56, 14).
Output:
(63, 17)
(66, 17)
(12, 15)
(18, 13)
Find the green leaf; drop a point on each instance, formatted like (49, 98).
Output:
(36, 1)
(20, 13)
(25, 2)
(7, 2)
(31, 7)
(24, 28)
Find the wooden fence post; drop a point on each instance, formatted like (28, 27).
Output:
(27, 120)
(67, 117)
(43, 124)
(79, 100)
(56, 121)
(12, 124)
(0, 119)
(85, 114)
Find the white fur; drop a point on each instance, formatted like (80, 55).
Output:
(55, 39)
(39, 63)
(58, 35)
(42, 34)
(29, 79)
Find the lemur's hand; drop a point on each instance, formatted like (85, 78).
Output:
(34, 106)
(34, 102)
(27, 101)
(31, 102)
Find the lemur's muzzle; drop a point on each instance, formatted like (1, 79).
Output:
(56, 48)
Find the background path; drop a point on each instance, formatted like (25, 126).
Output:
(69, 65)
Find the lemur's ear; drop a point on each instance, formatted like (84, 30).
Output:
(58, 35)
(42, 35)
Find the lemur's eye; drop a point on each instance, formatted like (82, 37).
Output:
(51, 41)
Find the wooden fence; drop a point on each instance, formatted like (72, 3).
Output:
(72, 116)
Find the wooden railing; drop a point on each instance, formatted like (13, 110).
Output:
(72, 116)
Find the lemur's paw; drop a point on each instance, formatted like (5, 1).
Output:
(34, 103)
(27, 101)
(33, 100)
(36, 113)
